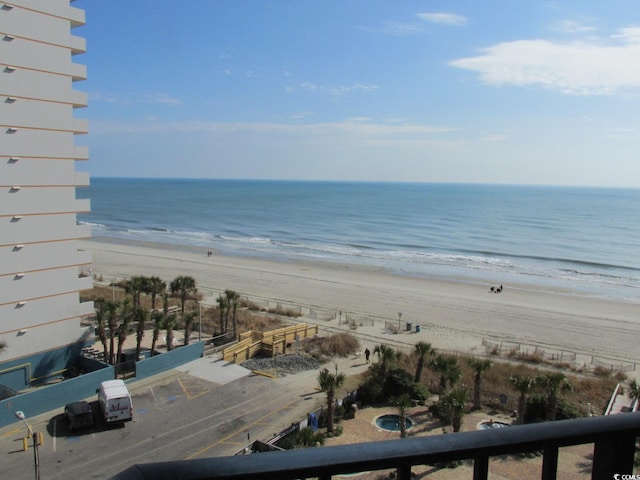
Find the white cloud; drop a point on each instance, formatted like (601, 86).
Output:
(571, 27)
(333, 90)
(443, 18)
(300, 116)
(108, 98)
(357, 126)
(576, 68)
(628, 35)
(400, 29)
(496, 137)
(162, 98)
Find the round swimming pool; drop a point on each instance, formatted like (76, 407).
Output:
(391, 422)
(488, 424)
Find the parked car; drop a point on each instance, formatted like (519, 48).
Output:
(79, 415)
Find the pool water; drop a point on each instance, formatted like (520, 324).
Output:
(487, 424)
(392, 422)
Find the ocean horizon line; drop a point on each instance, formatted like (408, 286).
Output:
(369, 182)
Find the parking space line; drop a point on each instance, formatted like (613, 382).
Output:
(245, 428)
(11, 432)
(186, 391)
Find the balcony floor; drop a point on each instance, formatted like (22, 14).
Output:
(573, 462)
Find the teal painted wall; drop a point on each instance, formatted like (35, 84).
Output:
(54, 397)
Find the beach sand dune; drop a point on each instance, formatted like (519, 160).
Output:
(453, 314)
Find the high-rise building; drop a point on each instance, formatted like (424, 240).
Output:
(41, 266)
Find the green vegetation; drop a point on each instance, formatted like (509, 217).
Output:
(114, 317)
(329, 383)
(466, 382)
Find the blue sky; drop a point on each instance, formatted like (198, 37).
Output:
(498, 91)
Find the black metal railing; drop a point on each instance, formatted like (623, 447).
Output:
(614, 439)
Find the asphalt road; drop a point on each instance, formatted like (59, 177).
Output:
(177, 416)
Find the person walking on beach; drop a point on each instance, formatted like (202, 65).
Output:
(366, 355)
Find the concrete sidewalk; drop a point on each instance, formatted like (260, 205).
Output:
(214, 370)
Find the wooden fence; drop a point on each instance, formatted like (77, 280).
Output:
(274, 342)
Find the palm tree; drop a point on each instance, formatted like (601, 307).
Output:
(157, 325)
(101, 330)
(329, 383)
(135, 286)
(155, 286)
(112, 321)
(169, 323)
(222, 307)
(479, 367)
(524, 384)
(554, 384)
(422, 350)
(448, 368)
(232, 303)
(403, 402)
(183, 286)
(455, 401)
(188, 319)
(126, 315)
(387, 357)
(141, 318)
(380, 349)
(634, 392)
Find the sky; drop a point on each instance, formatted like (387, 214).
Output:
(497, 91)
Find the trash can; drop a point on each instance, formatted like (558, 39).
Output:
(408, 326)
(417, 328)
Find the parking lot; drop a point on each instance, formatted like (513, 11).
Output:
(205, 409)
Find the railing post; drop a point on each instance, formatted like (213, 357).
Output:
(480, 468)
(613, 454)
(404, 472)
(550, 463)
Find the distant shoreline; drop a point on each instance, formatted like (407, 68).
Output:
(454, 314)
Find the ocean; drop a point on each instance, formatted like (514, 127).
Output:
(584, 240)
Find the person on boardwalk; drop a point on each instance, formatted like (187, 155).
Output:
(366, 355)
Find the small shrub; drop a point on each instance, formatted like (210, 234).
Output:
(303, 438)
(338, 345)
(599, 371)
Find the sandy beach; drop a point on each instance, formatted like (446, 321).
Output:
(453, 314)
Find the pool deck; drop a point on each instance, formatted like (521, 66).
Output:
(573, 463)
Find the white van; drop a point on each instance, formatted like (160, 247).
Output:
(115, 401)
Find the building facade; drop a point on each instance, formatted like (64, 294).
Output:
(41, 265)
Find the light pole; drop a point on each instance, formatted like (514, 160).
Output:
(199, 321)
(34, 437)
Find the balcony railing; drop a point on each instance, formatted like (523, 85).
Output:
(614, 439)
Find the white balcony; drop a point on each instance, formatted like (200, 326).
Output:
(81, 152)
(77, 17)
(83, 231)
(84, 257)
(78, 45)
(80, 126)
(79, 99)
(82, 179)
(78, 72)
(85, 283)
(83, 205)
(86, 309)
